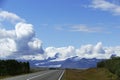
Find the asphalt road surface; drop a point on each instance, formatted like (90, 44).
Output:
(42, 75)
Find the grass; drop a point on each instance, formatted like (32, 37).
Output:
(89, 74)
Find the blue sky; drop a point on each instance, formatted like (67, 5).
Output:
(53, 19)
(60, 26)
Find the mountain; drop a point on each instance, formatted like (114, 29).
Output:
(81, 63)
(73, 62)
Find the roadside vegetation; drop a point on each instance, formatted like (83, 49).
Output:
(13, 67)
(89, 74)
(106, 70)
(113, 65)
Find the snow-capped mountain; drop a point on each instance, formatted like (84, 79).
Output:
(73, 62)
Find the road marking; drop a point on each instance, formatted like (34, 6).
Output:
(61, 75)
(39, 75)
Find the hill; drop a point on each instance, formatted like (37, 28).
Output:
(89, 74)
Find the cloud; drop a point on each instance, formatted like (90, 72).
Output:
(85, 51)
(84, 28)
(20, 41)
(80, 28)
(7, 46)
(13, 18)
(60, 53)
(92, 51)
(7, 33)
(106, 6)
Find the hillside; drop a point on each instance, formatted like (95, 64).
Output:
(89, 74)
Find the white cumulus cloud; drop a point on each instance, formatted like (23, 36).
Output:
(85, 51)
(5, 15)
(60, 53)
(20, 41)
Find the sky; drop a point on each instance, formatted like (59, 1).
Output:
(39, 29)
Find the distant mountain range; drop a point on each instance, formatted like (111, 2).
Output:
(73, 62)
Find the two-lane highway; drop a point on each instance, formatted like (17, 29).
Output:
(43, 75)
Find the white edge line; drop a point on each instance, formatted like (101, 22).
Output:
(38, 75)
(61, 75)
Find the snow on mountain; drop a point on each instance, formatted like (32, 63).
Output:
(73, 62)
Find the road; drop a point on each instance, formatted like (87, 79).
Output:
(42, 75)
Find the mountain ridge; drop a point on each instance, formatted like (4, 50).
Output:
(73, 62)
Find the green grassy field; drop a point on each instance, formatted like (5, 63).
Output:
(89, 74)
